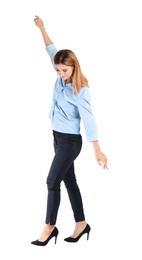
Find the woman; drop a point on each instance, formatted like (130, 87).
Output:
(71, 103)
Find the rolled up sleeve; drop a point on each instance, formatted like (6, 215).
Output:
(51, 50)
(87, 117)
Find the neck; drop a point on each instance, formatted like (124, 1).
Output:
(68, 81)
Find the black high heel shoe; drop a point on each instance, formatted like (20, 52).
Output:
(54, 233)
(86, 230)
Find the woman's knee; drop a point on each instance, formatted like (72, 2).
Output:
(52, 184)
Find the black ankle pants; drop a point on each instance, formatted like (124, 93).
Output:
(67, 147)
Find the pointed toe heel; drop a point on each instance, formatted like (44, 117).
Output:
(86, 230)
(54, 233)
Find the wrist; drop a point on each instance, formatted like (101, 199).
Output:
(42, 28)
(96, 146)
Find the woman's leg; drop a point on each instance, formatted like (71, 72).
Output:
(67, 148)
(74, 194)
(75, 200)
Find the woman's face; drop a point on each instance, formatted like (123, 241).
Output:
(65, 72)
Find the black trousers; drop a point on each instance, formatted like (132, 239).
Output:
(67, 147)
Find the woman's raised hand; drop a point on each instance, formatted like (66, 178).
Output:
(38, 21)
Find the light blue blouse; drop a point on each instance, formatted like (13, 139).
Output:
(68, 109)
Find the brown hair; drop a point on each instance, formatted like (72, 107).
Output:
(68, 58)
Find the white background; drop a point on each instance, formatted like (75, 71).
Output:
(107, 39)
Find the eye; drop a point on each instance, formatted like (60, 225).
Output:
(65, 70)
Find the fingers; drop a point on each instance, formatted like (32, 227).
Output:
(36, 19)
(102, 160)
(103, 163)
(105, 166)
(99, 162)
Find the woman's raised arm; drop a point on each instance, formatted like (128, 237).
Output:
(39, 23)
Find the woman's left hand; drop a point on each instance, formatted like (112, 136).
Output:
(101, 159)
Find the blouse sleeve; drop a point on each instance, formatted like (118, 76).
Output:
(51, 50)
(87, 117)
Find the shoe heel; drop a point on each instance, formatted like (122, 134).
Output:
(55, 239)
(88, 236)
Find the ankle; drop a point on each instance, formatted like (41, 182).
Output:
(81, 224)
(49, 227)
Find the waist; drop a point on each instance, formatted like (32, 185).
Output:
(66, 135)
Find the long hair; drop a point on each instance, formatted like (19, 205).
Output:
(68, 58)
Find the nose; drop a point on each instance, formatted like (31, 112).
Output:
(61, 74)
